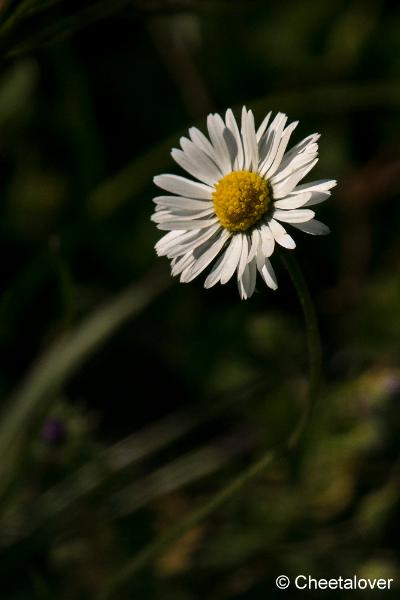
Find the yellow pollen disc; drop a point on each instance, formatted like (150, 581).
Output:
(240, 200)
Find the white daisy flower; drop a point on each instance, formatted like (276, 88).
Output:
(245, 186)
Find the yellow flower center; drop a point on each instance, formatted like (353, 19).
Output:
(241, 198)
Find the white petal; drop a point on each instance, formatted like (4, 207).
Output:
(294, 216)
(201, 141)
(252, 270)
(322, 185)
(186, 225)
(270, 147)
(298, 162)
(291, 202)
(184, 187)
(244, 255)
(181, 202)
(283, 188)
(249, 141)
(307, 145)
(216, 128)
(255, 242)
(180, 263)
(247, 281)
(168, 240)
(281, 236)
(266, 271)
(182, 242)
(205, 257)
(297, 156)
(190, 240)
(180, 214)
(246, 150)
(316, 198)
(242, 288)
(313, 227)
(215, 273)
(197, 163)
(232, 257)
(267, 240)
(281, 149)
(263, 127)
(233, 127)
(231, 144)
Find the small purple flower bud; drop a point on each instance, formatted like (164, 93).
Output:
(54, 432)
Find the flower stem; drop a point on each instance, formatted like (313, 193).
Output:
(154, 548)
(313, 340)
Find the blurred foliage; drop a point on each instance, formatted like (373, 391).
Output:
(125, 410)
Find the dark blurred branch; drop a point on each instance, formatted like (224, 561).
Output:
(42, 23)
(37, 26)
(177, 56)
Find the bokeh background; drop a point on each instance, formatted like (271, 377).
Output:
(128, 399)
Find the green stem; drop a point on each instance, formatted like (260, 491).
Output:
(154, 548)
(313, 339)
